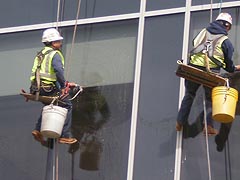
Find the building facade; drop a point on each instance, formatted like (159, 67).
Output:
(124, 54)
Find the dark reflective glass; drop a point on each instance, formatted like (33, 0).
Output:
(45, 11)
(28, 12)
(21, 156)
(94, 8)
(159, 90)
(101, 123)
(201, 2)
(164, 4)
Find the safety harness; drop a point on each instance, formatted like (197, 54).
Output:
(40, 56)
(207, 47)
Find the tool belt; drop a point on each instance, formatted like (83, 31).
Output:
(47, 88)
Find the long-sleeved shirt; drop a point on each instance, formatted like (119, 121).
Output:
(59, 70)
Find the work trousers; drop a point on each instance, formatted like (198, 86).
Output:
(66, 132)
(186, 105)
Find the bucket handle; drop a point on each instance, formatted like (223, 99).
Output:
(228, 87)
(54, 99)
(227, 83)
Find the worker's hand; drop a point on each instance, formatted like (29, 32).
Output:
(237, 68)
(63, 91)
(72, 84)
(64, 94)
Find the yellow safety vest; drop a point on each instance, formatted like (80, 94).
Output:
(47, 74)
(199, 57)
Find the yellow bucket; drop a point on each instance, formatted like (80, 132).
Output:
(224, 101)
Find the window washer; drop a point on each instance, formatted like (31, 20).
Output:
(48, 79)
(212, 51)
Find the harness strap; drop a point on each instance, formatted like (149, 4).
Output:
(40, 57)
(207, 47)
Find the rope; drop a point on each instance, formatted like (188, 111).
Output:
(220, 8)
(227, 162)
(205, 112)
(73, 39)
(56, 158)
(54, 173)
(206, 136)
(58, 13)
(207, 62)
(62, 10)
(211, 11)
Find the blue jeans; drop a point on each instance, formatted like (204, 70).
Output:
(66, 132)
(184, 111)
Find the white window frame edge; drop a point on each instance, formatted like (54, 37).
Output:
(132, 141)
(178, 151)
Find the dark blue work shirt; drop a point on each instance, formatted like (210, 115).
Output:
(59, 70)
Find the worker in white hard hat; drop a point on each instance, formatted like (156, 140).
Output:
(48, 79)
(212, 43)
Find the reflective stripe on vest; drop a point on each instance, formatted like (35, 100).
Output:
(47, 73)
(199, 58)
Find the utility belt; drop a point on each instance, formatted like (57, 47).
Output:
(48, 88)
(216, 70)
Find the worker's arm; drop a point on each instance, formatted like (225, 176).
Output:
(228, 50)
(59, 70)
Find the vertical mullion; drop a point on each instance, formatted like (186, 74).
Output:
(136, 90)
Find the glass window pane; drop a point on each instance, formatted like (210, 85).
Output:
(164, 4)
(94, 8)
(159, 90)
(17, 57)
(201, 2)
(103, 54)
(19, 151)
(28, 14)
(102, 62)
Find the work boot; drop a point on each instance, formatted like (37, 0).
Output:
(219, 142)
(67, 140)
(210, 130)
(38, 136)
(178, 126)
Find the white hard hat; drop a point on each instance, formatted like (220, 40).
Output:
(50, 35)
(225, 17)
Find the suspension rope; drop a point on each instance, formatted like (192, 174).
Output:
(211, 11)
(62, 10)
(206, 136)
(58, 13)
(205, 113)
(73, 40)
(55, 144)
(220, 8)
(55, 153)
(228, 168)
